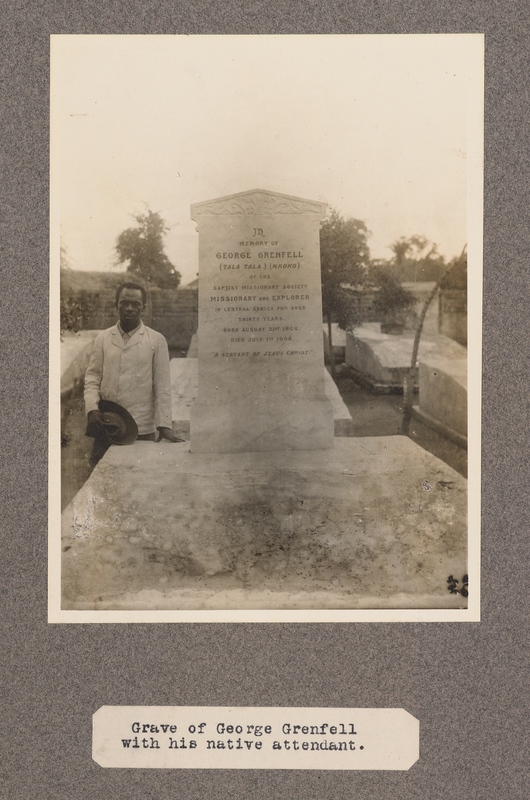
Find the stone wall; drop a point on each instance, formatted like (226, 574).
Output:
(363, 301)
(453, 314)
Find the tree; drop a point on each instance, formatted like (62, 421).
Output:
(416, 258)
(391, 298)
(345, 259)
(143, 247)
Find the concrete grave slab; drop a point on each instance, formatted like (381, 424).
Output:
(193, 349)
(76, 349)
(339, 341)
(184, 383)
(383, 360)
(184, 387)
(443, 398)
(370, 523)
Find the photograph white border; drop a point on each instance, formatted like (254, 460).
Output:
(472, 612)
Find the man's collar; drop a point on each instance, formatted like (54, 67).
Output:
(129, 333)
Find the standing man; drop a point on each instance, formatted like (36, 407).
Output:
(130, 366)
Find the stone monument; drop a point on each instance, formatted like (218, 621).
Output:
(261, 361)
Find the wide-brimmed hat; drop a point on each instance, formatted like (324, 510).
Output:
(119, 426)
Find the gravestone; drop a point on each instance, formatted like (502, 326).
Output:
(261, 375)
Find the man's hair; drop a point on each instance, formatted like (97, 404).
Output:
(131, 285)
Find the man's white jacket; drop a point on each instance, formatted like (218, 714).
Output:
(134, 374)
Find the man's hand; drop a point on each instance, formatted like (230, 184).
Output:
(167, 433)
(95, 420)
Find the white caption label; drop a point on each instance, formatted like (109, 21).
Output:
(206, 737)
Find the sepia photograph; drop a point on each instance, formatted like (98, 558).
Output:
(265, 328)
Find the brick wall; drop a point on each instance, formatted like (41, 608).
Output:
(174, 313)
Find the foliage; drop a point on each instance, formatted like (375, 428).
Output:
(456, 275)
(391, 297)
(345, 259)
(417, 259)
(73, 310)
(143, 247)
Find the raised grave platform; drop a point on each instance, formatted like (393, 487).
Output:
(76, 349)
(184, 385)
(193, 349)
(339, 342)
(382, 360)
(443, 398)
(371, 523)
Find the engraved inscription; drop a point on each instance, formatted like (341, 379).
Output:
(260, 291)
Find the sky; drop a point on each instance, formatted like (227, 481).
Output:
(377, 127)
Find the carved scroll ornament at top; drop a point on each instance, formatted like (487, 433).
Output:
(258, 204)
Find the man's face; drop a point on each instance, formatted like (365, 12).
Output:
(130, 307)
